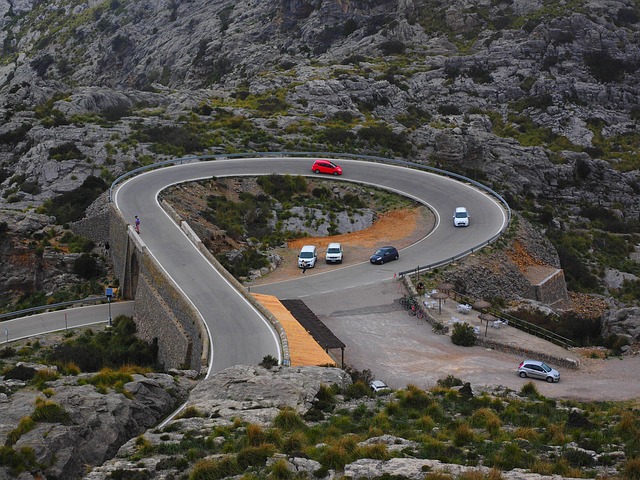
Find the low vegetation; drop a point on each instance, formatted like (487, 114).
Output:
(500, 430)
(255, 219)
(115, 349)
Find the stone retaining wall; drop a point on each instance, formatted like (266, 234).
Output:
(97, 228)
(232, 280)
(553, 290)
(161, 312)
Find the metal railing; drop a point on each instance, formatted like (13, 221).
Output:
(52, 306)
(523, 325)
(370, 158)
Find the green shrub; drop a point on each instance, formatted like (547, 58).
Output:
(631, 469)
(279, 470)
(449, 109)
(604, 67)
(449, 381)
(43, 376)
(86, 267)
(254, 456)
(112, 348)
(13, 137)
(392, 47)
(529, 390)
(26, 424)
(463, 335)
(191, 412)
(358, 389)
(8, 352)
(108, 378)
(17, 461)
(76, 243)
(240, 267)
(66, 151)
(70, 206)
(282, 187)
(288, 420)
(414, 398)
(365, 376)
(20, 372)
(215, 469)
(269, 361)
(578, 458)
(50, 412)
(615, 342)
(384, 136)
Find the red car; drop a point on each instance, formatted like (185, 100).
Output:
(325, 166)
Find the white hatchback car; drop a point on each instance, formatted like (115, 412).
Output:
(461, 217)
(334, 253)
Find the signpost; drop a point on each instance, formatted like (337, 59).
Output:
(109, 294)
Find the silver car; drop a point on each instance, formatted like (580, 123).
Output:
(536, 369)
(378, 386)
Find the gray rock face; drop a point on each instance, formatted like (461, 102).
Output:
(97, 424)
(249, 393)
(256, 395)
(625, 322)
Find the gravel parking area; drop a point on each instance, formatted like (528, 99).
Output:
(401, 350)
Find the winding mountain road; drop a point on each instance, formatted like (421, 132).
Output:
(240, 335)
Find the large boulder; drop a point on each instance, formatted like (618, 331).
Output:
(625, 321)
(94, 424)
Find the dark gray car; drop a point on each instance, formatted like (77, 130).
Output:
(384, 254)
(537, 369)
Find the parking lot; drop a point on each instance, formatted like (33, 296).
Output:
(400, 350)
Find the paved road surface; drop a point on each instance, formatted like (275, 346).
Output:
(239, 334)
(48, 322)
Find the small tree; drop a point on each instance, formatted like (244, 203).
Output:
(269, 361)
(463, 335)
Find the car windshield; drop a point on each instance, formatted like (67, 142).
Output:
(306, 255)
(461, 215)
(380, 252)
(333, 250)
(545, 367)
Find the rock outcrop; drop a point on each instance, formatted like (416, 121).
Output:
(92, 424)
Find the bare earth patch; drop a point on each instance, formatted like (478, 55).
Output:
(400, 228)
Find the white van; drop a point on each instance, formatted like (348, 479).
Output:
(334, 253)
(461, 217)
(308, 256)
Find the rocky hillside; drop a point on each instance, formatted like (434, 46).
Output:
(537, 99)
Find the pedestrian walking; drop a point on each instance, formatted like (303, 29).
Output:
(304, 267)
(137, 222)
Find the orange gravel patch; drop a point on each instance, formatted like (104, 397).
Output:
(400, 228)
(303, 348)
(389, 226)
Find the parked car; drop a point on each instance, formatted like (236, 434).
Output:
(334, 253)
(537, 369)
(461, 217)
(326, 166)
(378, 386)
(308, 256)
(384, 254)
